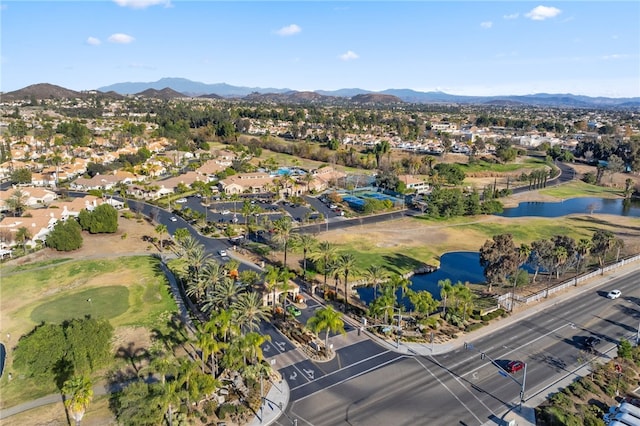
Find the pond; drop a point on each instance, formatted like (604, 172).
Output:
(457, 266)
(465, 266)
(586, 205)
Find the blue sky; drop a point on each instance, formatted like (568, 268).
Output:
(470, 48)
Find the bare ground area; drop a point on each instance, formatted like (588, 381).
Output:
(128, 239)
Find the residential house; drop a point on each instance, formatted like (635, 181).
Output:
(414, 184)
(246, 183)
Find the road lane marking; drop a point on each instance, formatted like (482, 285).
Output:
(466, 361)
(348, 378)
(344, 368)
(450, 391)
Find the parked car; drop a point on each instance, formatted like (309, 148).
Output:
(591, 342)
(614, 294)
(173, 219)
(181, 200)
(514, 366)
(294, 311)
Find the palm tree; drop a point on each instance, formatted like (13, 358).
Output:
(584, 246)
(399, 281)
(328, 320)
(163, 364)
(325, 252)
(161, 230)
(271, 282)
(253, 346)
(306, 243)
(283, 228)
(22, 236)
(249, 311)
(464, 299)
(345, 265)
(78, 393)
(231, 267)
(224, 295)
(375, 275)
(181, 234)
(446, 289)
(307, 178)
(284, 286)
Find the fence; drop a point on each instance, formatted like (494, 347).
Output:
(506, 300)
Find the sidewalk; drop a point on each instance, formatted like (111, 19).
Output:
(275, 402)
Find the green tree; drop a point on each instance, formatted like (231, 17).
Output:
(22, 236)
(65, 236)
(422, 301)
(601, 244)
(499, 258)
(625, 349)
(328, 320)
(374, 275)
(249, 311)
(17, 202)
(140, 404)
(161, 229)
(306, 243)
(20, 176)
(102, 219)
(282, 228)
(326, 253)
(446, 290)
(345, 266)
(78, 392)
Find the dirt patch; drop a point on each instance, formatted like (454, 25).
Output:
(128, 239)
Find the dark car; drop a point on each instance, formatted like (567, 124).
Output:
(591, 342)
(514, 366)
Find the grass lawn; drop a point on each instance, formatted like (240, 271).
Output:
(99, 302)
(129, 291)
(403, 245)
(577, 188)
(484, 166)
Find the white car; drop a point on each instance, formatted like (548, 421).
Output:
(181, 200)
(614, 294)
(173, 219)
(222, 253)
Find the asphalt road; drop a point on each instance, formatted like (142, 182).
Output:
(370, 385)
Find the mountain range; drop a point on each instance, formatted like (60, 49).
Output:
(167, 88)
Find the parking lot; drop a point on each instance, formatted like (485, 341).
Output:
(225, 211)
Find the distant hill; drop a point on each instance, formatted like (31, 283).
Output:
(376, 98)
(189, 88)
(168, 88)
(166, 94)
(42, 91)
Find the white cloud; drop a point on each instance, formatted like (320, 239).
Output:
(120, 38)
(616, 56)
(349, 55)
(93, 41)
(289, 30)
(540, 13)
(141, 4)
(486, 24)
(511, 16)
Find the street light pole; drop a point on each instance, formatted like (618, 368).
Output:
(399, 332)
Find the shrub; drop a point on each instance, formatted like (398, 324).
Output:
(562, 400)
(65, 236)
(474, 326)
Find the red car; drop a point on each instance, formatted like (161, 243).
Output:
(515, 366)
